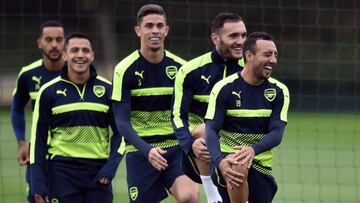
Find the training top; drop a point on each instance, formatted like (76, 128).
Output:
(193, 85)
(146, 90)
(27, 86)
(71, 125)
(247, 115)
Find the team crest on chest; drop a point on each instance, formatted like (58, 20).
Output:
(99, 90)
(133, 191)
(171, 72)
(270, 94)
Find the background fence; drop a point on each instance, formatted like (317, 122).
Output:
(318, 43)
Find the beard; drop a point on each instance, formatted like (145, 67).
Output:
(226, 51)
(52, 57)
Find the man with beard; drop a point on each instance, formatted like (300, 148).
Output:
(142, 92)
(32, 77)
(193, 85)
(245, 119)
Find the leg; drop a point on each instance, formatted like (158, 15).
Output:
(210, 189)
(185, 190)
(144, 181)
(262, 187)
(181, 187)
(63, 184)
(240, 194)
(101, 194)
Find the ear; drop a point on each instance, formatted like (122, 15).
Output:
(137, 30)
(215, 38)
(249, 55)
(92, 57)
(64, 55)
(38, 42)
(167, 28)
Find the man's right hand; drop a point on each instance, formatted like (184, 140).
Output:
(232, 177)
(41, 199)
(23, 153)
(156, 159)
(200, 150)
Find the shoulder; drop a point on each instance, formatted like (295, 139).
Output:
(174, 57)
(225, 82)
(127, 61)
(197, 62)
(279, 85)
(47, 87)
(31, 66)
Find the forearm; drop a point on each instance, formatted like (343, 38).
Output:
(122, 120)
(185, 139)
(271, 140)
(18, 121)
(212, 141)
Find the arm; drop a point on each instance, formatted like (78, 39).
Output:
(272, 139)
(108, 171)
(39, 148)
(122, 119)
(212, 129)
(21, 97)
(182, 99)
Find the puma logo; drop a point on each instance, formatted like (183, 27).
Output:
(236, 94)
(205, 78)
(140, 74)
(63, 92)
(36, 79)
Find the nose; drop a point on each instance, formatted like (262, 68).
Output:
(273, 59)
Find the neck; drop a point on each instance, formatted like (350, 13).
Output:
(79, 78)
(152, 56)
(54, 65)
(249, 76)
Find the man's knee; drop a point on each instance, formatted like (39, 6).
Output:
(199, 131)
(241, 169)
(185, 190)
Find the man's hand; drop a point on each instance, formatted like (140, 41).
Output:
(156, 159)
(200, 150)
(41, 199)
(246, 154)
(232, 177)
(103, 181)
(23, 153)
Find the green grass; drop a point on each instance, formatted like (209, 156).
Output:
(318, 161)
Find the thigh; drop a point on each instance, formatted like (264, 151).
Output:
(144, 183)
(101, 194)
(220, 183)
(63, 182)
(189, 167)
(262, 187)
(174, 170)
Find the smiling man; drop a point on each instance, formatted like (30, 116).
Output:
(142, 91)
(245, 119)
(71, 122)
(192, 89)
(31, 78)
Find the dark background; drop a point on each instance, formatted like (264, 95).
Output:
(318, 40)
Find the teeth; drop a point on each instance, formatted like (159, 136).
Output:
(154, 38)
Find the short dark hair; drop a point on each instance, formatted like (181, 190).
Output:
(148, 9)
(222, 18)
(250, 42)
(49, 23)
(76, 35)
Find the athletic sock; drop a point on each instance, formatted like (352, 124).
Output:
(210, 189)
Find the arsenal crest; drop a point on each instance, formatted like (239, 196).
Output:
(171, 72)
(133, 193)
(270, 94)
(99, 90)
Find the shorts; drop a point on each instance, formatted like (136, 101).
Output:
(76, 184)
(190, 168)
(262, 187)
(147, 184)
